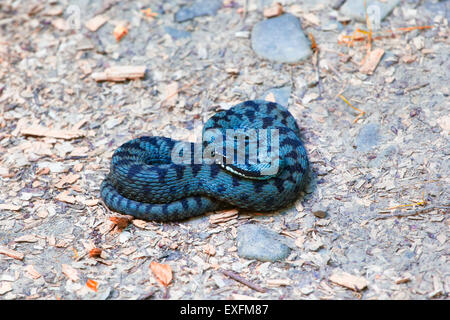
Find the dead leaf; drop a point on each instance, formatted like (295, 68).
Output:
(95, 252)
(120, 31)
(162, 272)
(149, 13)
(120, 222)
(92, 284)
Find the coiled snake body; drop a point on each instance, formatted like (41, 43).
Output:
(144, 180)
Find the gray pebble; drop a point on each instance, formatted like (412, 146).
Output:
(177, 34)
(389, 59)
(368, 137)
(281, 39)
(281, 95)
(319, 211)
(355, 8)
(254, 242)
(198, 9)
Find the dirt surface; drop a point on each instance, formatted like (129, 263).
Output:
(371, 225)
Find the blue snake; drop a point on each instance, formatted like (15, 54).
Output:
(161, 179)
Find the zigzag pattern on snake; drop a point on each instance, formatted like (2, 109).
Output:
(146, 183)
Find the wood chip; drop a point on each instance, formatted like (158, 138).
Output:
(408, 58)
(38, 131)
(64, 197)
(139, 223)
(5, 287)
(69, 179)
(278, 282)
(209, 250)
(54, 11)
(170, 94)
(32, 272)
(275, 10)
(70, 272)
(60, 24)
(223, 216)
(30, 238)
(349, 281)
(120, 73)
(372, 60)
(404, 279)
(96, 22)
(11, 253)
(91, 202)
(311, 18)
(8, 206)
(237, 296)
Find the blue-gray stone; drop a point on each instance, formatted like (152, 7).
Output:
(281, 39)
(255, 242)
(355, 8)
(177, 34)
(198, 9)
(368, 137)
(281, 95)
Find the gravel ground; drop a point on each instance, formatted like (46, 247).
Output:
(372, 223)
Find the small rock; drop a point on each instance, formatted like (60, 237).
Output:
(176, 34)
(198, 9)
(281, 95)
(319, 211)
(254, 242)
(242, 34)
(307, 290)
(389, 59)
(124, 236)
(281, 39)
(355, 9)
(368, 137)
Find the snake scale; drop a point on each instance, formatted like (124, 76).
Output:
(146, 183)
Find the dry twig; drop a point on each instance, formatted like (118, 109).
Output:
(240, 279)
